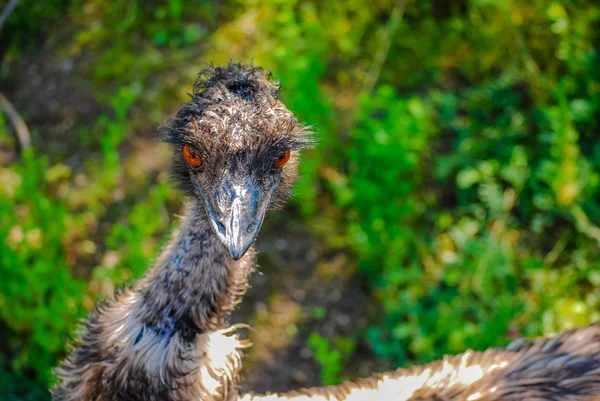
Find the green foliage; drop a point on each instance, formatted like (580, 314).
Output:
(459, 167)
(332, 357)
(471, 204)
(39, 299)
(43, 230)
(25, 25)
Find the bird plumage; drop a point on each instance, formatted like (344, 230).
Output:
(564, 367)
(235, 117)
(166, 337)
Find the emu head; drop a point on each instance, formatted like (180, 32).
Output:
(236, 150)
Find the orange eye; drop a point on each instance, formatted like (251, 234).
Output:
(282, 159)
(191, 156)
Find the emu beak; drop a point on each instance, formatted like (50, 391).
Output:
(242, 213)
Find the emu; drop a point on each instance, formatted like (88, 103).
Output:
(167, 337)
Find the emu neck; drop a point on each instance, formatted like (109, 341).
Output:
(165, 337)
(196, 284)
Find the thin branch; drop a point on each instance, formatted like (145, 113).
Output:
(380, 56)
(10, 7)
(16, 120)
(384, 48)
(584, 224)
(557, 249)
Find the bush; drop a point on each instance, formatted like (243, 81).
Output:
(467, 183)
(458, 164)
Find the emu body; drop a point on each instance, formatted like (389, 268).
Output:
(565, 367)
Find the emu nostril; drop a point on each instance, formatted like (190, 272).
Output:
(220, 226)
(251, 227)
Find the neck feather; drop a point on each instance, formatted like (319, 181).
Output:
(165, 337)
(196, 284)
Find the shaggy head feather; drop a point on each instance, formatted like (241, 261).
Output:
(235, 120)
(237, 128)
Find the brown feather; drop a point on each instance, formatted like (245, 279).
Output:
(565, 367)
(166, 337)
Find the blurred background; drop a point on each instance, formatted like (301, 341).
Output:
(453, 201)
